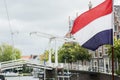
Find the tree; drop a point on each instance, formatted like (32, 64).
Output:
(82, 54)
(71, 52)
(8, 52)
(45, 55)
(116, 51)
(66, 53)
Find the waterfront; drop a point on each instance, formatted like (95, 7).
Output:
(21, 78)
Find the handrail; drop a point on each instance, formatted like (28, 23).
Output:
(20, 62)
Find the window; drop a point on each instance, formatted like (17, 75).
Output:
(95, 54)
(95, 63)
(115, 28)
(106, 51)
(118, 35)
(100, 54)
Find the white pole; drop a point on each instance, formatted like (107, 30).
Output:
(108, 65)
(56, 54)
(49, 53)
(44, 70)
(104, 65)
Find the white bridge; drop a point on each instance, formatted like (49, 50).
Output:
(19, 63)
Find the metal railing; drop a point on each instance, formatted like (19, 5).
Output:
(20, 62)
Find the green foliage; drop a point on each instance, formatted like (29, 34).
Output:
(82, 54)
(71, 52)
(116, 52)
(64, 53)
(45, 56)
(116, 49)
(7, 52)
(53, 57)
(118, 72)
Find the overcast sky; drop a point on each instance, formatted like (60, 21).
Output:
(48, 16)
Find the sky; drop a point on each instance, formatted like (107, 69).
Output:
(46, 16)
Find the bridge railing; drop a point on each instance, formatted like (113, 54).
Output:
(12, 64)
(20, 63)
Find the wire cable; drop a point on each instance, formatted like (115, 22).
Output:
(11, 31)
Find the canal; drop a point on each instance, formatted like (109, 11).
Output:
(21, 78)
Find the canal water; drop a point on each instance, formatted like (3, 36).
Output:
(21, 78)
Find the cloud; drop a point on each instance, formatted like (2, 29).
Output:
(48, 16)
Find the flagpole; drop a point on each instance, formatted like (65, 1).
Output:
(113, 63)
(113, 78)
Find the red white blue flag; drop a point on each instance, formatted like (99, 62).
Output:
(93, 28)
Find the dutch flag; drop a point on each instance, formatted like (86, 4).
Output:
(93, 28)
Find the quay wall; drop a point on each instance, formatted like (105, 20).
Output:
(85, 75)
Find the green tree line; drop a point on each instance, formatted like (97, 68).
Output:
(116, 49)
(8, 52)
(71, 52)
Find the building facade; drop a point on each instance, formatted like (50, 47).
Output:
(100, 59)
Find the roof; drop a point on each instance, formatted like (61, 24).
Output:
(26, 57)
